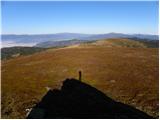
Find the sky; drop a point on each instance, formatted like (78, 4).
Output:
(40, 17)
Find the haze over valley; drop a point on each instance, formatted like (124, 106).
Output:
(32, 40)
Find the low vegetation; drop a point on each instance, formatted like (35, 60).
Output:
(131, 43)
(150, 43)
(122, 71)
(12, 52)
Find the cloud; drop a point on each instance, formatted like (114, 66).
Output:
(12, 43)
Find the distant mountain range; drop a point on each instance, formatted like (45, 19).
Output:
(120, 35)
(31, 40)
(44, 37)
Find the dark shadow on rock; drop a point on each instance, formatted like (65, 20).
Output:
(79, 100)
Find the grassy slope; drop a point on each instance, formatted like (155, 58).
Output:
(116, 43)
(129, 75)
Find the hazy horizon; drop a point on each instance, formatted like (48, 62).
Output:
(78, 33)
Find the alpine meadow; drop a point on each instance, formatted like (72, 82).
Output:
(80, 59)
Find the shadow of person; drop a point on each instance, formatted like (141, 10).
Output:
(80, 100)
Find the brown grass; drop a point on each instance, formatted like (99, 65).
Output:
(115, 42)
(129, 75)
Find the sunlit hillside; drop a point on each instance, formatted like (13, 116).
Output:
(124, 70)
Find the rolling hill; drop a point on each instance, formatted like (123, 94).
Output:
(134, 42)
(64, 43)
(12, 52)
(116, 43)
(125, 70)
(30, 40)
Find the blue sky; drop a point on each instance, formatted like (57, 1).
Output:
(79, 17)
